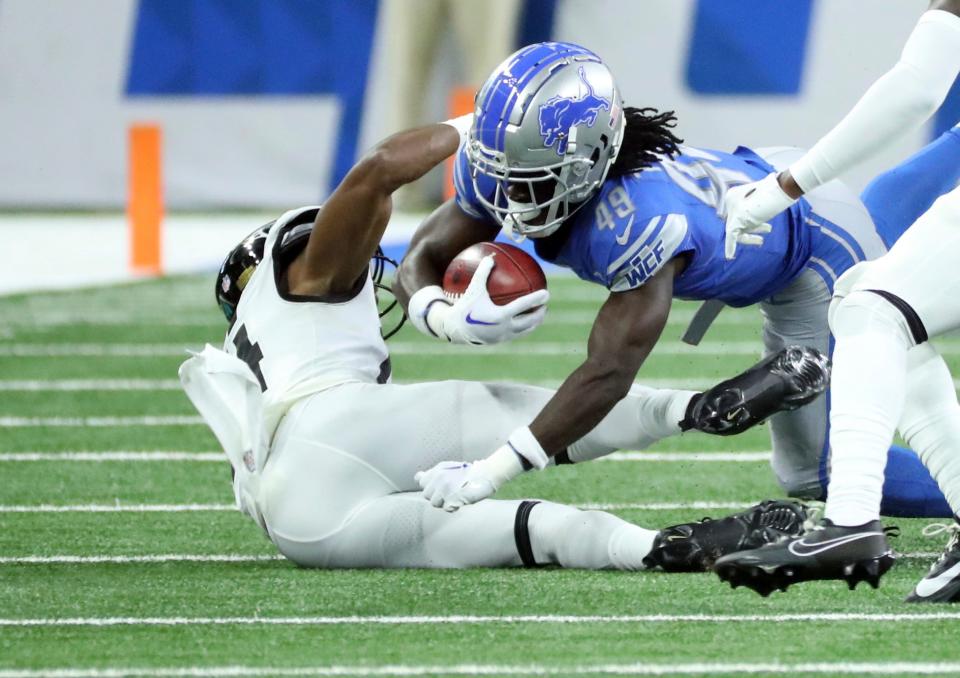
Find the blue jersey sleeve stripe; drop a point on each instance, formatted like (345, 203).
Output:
(823, 269)
(650, 231)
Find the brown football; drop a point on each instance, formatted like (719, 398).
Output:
(515, 273)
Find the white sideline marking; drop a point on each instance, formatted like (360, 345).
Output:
(90, 385)
(113, 456)
(162, 558)
(177, 420)
(638, 669)
(122, 455)
(401, 620)
(189, 508)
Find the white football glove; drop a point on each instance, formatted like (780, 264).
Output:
(748, 209)
(473, 318)
(452, 484)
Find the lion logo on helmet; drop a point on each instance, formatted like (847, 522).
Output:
(559, 114)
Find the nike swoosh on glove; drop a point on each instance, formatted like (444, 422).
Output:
(474, 318)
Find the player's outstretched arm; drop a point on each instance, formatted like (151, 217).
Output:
(625, 331)
(902, 99)
(351, 223)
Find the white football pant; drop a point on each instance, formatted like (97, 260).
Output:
(886, 376)
(338, 490)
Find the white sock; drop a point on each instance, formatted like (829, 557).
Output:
(645, 416)
(867, 395)
(930, 423)
(591, 540)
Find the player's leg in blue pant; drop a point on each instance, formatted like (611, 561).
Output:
(897, 198)
(908, 489)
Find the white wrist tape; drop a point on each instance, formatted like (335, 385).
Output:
(501, 466)
(462, 124)
(527, 446)
(898, 102)
(422, 304)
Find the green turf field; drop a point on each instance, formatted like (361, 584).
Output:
(120, 553)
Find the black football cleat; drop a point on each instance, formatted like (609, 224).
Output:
(786, 380)
(828, 551)
(693, 547)
(942, 583)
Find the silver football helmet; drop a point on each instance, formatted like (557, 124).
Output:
(547, 127)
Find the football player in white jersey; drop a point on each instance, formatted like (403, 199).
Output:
(888, 376)
(325, 450)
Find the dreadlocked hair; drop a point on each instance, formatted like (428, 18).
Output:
(646, 137)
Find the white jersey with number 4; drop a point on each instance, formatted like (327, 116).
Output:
(297, 345)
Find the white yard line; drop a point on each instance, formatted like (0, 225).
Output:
(429, 348)
(95, 350)
(122, 560)
(114, 508)
(96, 422)
(691, 383)
(134, 456)
(735, 457)
(400, 620)
(415, 348)
(90, 385)
(189, 508)
(224, 558)
(622, 669)
(118, 455)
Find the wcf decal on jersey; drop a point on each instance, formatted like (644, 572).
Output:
(640, 262)
(559, 114)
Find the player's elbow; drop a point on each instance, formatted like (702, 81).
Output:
(919, 93)
(374, 170)
(380, 169)
(922, 104)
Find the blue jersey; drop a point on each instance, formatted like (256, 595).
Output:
(639, 221)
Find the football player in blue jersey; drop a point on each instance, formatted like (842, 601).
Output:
(613, 194)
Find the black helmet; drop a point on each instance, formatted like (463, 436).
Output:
(237, 268)
(243, 260)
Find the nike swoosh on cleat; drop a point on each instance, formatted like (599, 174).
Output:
(472, 321)
(929, 586)
(733, 414)
(622, 239)
(821, 546)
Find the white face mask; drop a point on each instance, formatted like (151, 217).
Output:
(523, 212)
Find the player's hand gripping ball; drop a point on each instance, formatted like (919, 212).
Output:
(515, 273)
(497, 293)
